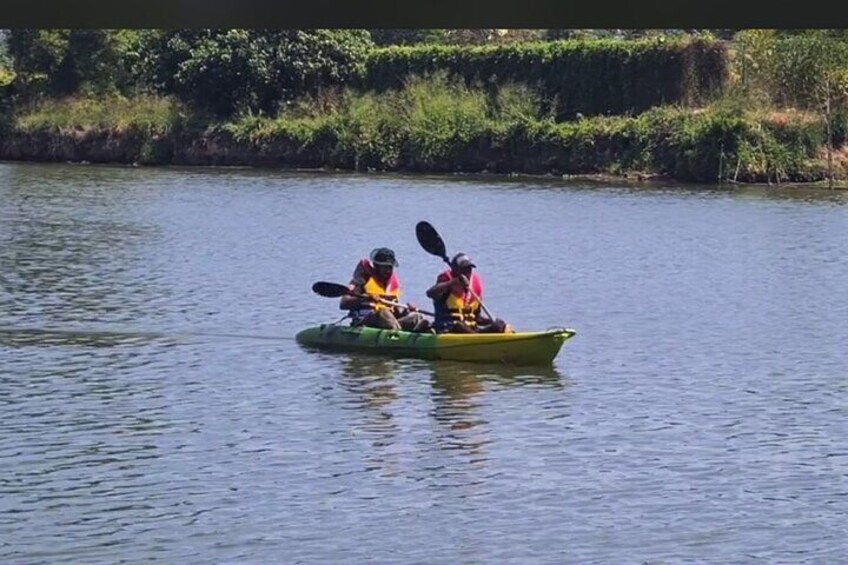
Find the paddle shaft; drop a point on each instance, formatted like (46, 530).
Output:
(336, 290)
(389, 303)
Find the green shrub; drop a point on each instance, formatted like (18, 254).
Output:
(228, 71)
(574, 77)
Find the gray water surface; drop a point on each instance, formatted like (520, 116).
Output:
(155, 405)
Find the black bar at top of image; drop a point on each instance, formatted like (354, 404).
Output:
(598, 14)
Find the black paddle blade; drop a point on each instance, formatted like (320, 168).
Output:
(330, 290)
(430, 239)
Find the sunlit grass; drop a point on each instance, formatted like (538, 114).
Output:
(116, 113)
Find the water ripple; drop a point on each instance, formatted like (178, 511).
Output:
(155, 406)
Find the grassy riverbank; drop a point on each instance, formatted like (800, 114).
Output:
(433, 125)
(764, 106)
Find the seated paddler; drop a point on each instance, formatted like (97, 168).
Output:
(378, 305)
(456, 299)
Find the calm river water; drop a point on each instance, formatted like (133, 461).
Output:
(155, 406)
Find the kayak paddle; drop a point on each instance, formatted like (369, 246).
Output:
(433, 244)
(336, 290)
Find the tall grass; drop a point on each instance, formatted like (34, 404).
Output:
(424, 125)
(153, 114)
(440, 118)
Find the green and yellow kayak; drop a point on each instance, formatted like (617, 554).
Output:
(527, 348)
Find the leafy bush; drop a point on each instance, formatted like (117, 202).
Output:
(66, 61)
(574, 77)
(227, 71)
(384, 37)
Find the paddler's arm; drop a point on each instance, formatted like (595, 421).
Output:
(438, 290)
(441, 288)
(349, 302)
(356, 284)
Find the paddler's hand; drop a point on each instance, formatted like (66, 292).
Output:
(411, 307)
(459, 283)
(366, 302)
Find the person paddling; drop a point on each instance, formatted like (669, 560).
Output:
(456, 299)
(375, 277)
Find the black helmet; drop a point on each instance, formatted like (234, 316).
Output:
(384, 256)
(461, 260)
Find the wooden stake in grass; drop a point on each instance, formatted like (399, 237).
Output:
(829, 134)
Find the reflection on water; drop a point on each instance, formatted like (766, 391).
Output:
(460, 394)
(457, 387)
(783, 192)
(791, 194)
(370, 380)
(458, 391)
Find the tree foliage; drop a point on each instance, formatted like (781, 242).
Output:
(5, 57)
(226, 71)
(65, 61)
(811, 68)
(384, 37)
(797, 69)
(221, 71)
(6, 73)
(631, 34)
(574, 77)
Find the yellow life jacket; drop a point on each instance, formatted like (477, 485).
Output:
(375, 289)
(389, 292)
(462, 306)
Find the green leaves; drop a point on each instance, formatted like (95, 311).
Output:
(228, 71)
(588, 77)
(66, 61)
(792, 69)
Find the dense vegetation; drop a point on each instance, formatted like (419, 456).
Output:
(593, 77)
(762, 106)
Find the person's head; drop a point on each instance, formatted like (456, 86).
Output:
(461, 264)
(384, 261)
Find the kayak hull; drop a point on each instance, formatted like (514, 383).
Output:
(527, 348)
